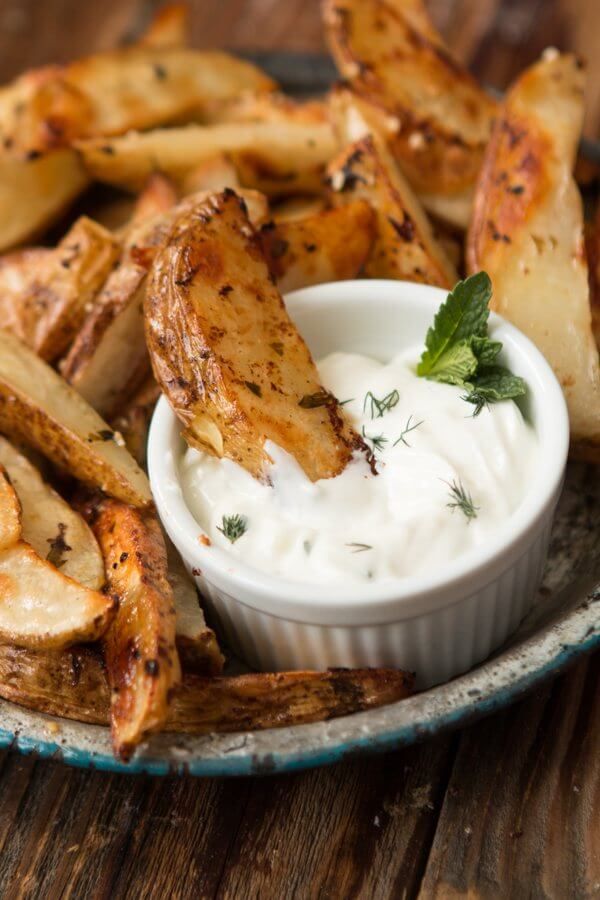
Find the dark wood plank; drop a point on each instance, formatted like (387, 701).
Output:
(521, 817)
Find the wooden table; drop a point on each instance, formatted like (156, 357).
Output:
(509, 807)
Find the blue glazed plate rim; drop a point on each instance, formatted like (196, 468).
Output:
(486, 689)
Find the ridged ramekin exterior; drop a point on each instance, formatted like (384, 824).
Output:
(438, 645)
(439, 624)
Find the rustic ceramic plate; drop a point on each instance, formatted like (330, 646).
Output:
(564, 625)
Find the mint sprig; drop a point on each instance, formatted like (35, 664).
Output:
(459, 351)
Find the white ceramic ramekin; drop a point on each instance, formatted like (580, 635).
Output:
(436, 625)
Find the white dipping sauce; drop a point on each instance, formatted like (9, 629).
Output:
(361, 527)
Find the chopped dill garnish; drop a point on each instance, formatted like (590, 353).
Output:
(233, 527)
(461, 499)
(307, 547)
(343, 402)
(380, 407)
(407, 429)
(376, 440)
(480, 401)
(359, 548)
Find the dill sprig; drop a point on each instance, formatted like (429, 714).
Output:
(233, 527)
(480, 401)
(461, 499)
(359, 548)
(380, 407)
(407, 430)
(376, 440)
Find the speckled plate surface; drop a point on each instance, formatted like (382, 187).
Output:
(564, 625)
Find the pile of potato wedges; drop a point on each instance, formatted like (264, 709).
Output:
(156, 201)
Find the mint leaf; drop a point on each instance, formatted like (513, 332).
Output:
(462, 316)
(497, 383)
(485, 350)
(456, 365)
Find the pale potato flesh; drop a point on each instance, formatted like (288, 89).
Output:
(50, 525)
(271, 157)
(405, 247)
(10, 512)
(227, 355)
(34, 193)
(527, 232)
(41, 607)
(39, 408)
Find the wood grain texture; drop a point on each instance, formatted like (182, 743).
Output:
(508, 808)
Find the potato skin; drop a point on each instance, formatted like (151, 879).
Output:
(405, 247)
(527, 233)
(226, 353)
(139, 647)
(332, 245)
(406, 82)
(73, 685)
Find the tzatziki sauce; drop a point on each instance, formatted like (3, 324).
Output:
(447, 480)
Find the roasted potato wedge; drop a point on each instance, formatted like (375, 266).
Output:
(169, 27)
(45, 294)
(35, 192)
(405, 247)
(435, 115)
(298, 207)
(54, 530)
(133, 420)
(527, 232)
(40, 409)
(330, 246)
(213, 174)
(139, 647)
(108, 360)
(158, 195)
(46, 682)
(593, 254)
(196, 642)
(269, 157)
(272, 107)
(10, 512)
(41, 607)
(226, 353)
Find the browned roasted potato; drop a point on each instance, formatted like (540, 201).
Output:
(169, 27)
(39, 408)
(196, 642)
(108, 359)
(213, 174)
(54, 530)
(35, 192)
(272, 107)
(45, 294)
(158, 195)
(405, 81)
(268, 156)
(41, 607)
(45, 681)
(133, 419)
(527, 232)
(10, 512)
(332, 245)
(139, 647)
(298, 207)
(226, 353)
(593, 253)
(405, 247)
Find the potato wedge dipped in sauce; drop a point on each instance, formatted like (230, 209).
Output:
(227, 355)
(527, 233)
